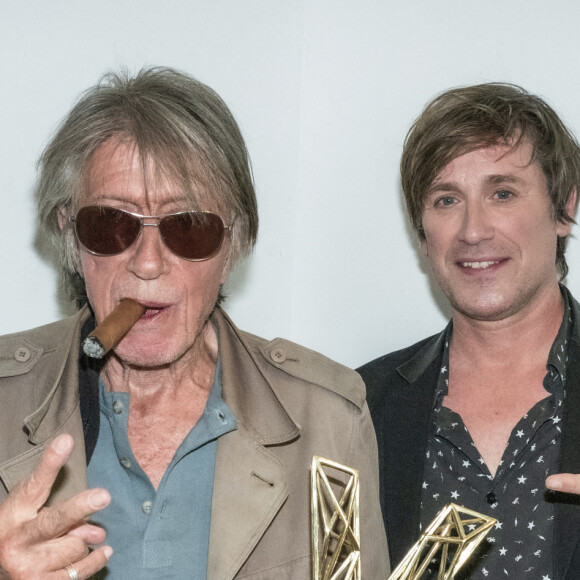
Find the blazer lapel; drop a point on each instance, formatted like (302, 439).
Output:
(567, 507)
(407, 420)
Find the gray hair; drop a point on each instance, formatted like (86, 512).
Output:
(179, 124)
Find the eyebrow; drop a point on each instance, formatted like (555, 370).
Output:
(450, 186)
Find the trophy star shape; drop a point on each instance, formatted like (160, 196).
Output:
(335, 521)
(445, 534)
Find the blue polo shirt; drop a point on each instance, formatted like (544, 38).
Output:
(161, 533)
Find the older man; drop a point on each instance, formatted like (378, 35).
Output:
(191, 443)
(480, 414)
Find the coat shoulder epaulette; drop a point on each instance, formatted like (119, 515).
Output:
(309, 366)
(19, 352)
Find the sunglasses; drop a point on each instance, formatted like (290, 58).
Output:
(108, 231)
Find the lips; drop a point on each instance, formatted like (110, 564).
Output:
(153, 309)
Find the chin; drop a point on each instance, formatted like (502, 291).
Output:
(146, 356)
(486, 308)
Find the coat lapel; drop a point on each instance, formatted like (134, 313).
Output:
(250, 483)
(249, 489)
(58, 413)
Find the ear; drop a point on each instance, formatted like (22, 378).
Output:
(62, 217)
(563, 228)
(424, 246)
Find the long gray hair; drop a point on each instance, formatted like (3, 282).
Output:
(177, 124)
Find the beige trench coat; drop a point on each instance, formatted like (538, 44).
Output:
(290, 404)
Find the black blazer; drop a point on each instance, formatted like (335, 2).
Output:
(400, 392)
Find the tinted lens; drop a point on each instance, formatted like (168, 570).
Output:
(192, 235)
(105, 230)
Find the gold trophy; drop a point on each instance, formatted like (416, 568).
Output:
(447, 535)
(336, 531)
(335, 521)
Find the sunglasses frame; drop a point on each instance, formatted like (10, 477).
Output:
(141, 218)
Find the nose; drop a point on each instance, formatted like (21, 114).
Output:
(476, 224)
(149, 254)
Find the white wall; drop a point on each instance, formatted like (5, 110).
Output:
(324, 91)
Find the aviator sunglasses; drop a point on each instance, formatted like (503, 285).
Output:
(108, 231)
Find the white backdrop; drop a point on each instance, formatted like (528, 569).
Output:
(324, 91)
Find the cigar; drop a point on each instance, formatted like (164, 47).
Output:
(113, 328)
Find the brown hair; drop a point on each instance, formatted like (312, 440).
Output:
(468, 118)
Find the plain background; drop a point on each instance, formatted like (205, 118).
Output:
(324, 91)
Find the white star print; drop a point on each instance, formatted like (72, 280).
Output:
(502, 551)
(443, 370)
(466, 463)
(556, 419)
(522, 479)
(546, 577)
(520, 433)
(425, 485)
(455, 495)
(540, 459)
(518, 557)
(484, 572)
(531, 526)
(498, 525)
(537, 553)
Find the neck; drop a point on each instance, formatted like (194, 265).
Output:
(528, 333)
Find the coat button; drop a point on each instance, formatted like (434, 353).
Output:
(278, 355)
(490, 498)
(22, 354)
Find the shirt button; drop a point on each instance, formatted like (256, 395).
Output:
(22, 354)
(118, 407)
(490, 497)
(146, 507)
(278, 355)
(126, 463)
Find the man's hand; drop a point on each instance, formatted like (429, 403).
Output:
(564, 482)
(40, 542)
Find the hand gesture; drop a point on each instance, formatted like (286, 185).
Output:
(53, 542)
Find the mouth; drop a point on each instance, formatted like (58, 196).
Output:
(153, 309)
(479, 265)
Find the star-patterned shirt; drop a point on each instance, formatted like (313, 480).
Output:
(520, 545)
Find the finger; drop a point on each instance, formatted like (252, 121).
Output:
(88, 566)
(564, 482)
(89, 533)
(59, 519)
(31, 494)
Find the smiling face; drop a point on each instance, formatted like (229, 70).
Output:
(489, 232)
(179, 294)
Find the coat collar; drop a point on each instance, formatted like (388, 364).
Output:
(243, 363)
